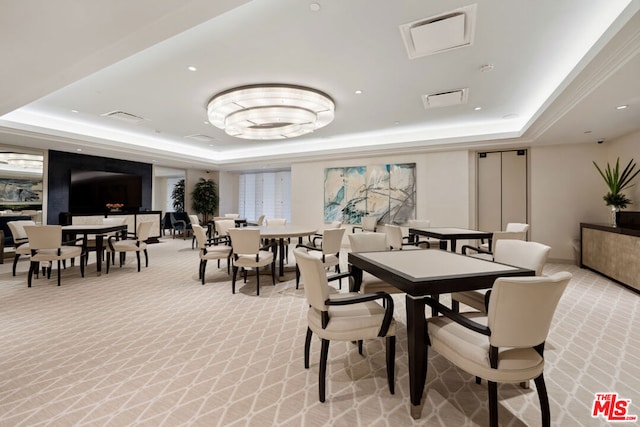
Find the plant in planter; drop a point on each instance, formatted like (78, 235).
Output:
(204, 198)
(617, 181)
(178, 196)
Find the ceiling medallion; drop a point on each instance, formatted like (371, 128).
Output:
(270, 111)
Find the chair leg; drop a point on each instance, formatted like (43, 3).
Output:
(391, 363)
(146, 258)
(58, 272)
(82, 264)
(324, 352)
(203, 269)
(233, 280)
(32, 266)
(138, 257)
(15, 263)
(544, 401)
(297, 276)
(455, 306)
(307, 347)
(257, 280)
(273, 272)
(360, 342)
(493, 403)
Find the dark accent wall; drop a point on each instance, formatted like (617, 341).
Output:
(61, 164)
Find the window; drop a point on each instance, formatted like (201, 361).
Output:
(266, 193)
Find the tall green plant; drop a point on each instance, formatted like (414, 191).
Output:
(616, 182)
(178, 196)
(204, 198)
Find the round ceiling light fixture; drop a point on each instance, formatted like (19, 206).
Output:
(270, 111)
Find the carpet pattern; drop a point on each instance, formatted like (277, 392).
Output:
(157, 348)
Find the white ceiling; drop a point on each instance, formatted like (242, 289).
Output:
(559, 70)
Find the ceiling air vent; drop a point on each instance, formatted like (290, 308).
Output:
(439, 33)
(446, 99)
(125, 117)
(200, 137)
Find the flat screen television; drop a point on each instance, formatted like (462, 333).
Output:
(91, 191)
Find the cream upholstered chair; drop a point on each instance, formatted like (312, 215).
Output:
(519, 253)
(210, 249)
(329, 253)
(275, 221)
(232, 215)
(222, 227)
(368, 224)
(396, 240)
(317, 237)
(193, 219)
(20, 239)
(247, 254)
(343, 317)
(258, 222)
(136, 244)
(513, 231)
(424, 223)
(45, 242)
(507, 344)
(372, 242)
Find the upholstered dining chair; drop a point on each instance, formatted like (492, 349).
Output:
(20, 239)
(248, 254)
(193, 219)
(232, 215)
(368, 224)
(137, 243)
(505, 345)
(430, 242)
(343, 317)
(317, 237)
(519, 253)
(275, 221)
(222, 227)
(45, 243)
(329, 253)
(396, 240)
(210, 250)
(513, 231)
(372, 242)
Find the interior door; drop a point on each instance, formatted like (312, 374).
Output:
(502, 189)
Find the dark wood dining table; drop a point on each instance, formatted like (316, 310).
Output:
(452, 234)
(424, 274)
(99, 230)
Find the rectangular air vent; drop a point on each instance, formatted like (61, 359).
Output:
(446, 99)
(439, 33)
(200, 137)
(125, 117)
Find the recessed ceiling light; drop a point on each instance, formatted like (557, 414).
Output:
(314, 7)
(478, 108)
(396, 123)
(486, 67)
(192, 68)
(78, 149)
(587, 131)
(358, 92)
(621, 107)
(74, 111)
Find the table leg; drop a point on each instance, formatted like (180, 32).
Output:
(281, 249)
(453, 245)
(417, 346)
(356, 273)
(99, 250)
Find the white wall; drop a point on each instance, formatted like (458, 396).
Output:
(442, 187)
(228, 189)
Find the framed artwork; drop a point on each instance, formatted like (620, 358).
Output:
(386, 191)
(15, 190)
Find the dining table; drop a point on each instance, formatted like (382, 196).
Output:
(70, 232)
(282, 233)
(424, 275)
(452, 234)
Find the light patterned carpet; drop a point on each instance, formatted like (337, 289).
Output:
(156, 348)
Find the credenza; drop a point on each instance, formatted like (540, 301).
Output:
(132, 220)
(612, 251)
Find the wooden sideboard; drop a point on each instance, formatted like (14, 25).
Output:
(612, 251)
(132, 220)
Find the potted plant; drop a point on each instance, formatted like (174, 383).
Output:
(178, 196)
(204, 198)
(617, 181)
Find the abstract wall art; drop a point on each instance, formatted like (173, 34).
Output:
(387, 191)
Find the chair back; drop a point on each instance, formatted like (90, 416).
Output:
(223, 226)
(232, 215)
(368, 242)
(369, 223)
(394, 235)
(531, 255)
(200, 234)
(17, 230)
(332, 240)
(276, 221)
(260, 220)
(507, 235)
(144, 230)
(517, 227)
(194, 219)
(336, 224)
(245, 241)
(418, 223)
(521, 309)
(314, 276)
(44, 236)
